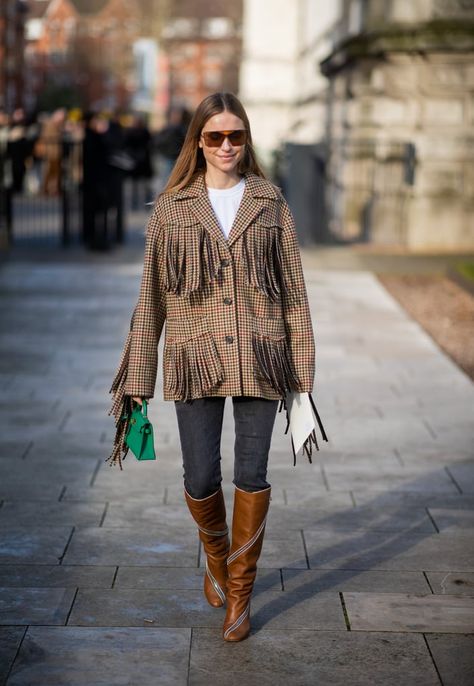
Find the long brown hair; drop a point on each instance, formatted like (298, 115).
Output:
(191, 160)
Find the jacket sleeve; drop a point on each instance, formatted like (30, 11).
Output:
(296, 310)
(148, 317)
(136, 373)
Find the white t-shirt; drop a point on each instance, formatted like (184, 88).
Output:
(225, 203)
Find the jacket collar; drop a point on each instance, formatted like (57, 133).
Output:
(257, 192)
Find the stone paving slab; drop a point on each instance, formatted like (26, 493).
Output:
(108, 494)
(35, 605)
(452, 583)
(51, 576)
(453, 520)
(14, 450)
(104, 546)
(41, 545)
(405, 612)
(286, 517)
(82, 656)
(10, 639)
(184, 578)
(413, 498)
(49, 513)
(454, 657)
(395, 551)
(301, 658)
(139, 607)
(463, 474)
(343, 477)
(313, 581)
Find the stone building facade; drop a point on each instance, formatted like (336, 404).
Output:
(384, 90)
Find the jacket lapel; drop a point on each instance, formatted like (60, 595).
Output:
(257, 191)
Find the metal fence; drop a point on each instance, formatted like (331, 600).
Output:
(44, 198)
(41, 191)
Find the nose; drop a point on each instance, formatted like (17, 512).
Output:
(226, 144)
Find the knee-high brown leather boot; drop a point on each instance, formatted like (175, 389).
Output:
(248, 526)
(210, 517)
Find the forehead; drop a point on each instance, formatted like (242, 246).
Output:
(223, 121)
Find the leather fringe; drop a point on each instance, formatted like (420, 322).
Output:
(276, 365)
(263, 266)
(192, 261)
(311, 440)
(121, 407)
(194, 367)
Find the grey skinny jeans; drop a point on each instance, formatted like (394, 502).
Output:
(200, 429)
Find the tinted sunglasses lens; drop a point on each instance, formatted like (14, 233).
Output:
(214, 139)
(238, 137)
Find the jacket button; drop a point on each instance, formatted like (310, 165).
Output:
(229, 339)
(225, 263)
(227, 301)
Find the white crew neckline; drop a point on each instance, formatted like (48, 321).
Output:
(228, 191)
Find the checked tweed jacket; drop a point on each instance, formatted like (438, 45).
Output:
(235, 310)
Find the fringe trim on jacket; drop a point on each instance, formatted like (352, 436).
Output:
(192, 261)
(195, 367)
(276, 365)
(263, 266)
(121, 407)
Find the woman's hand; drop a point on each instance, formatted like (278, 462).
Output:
(137, 400)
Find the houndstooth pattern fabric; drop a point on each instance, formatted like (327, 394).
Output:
(235, 310)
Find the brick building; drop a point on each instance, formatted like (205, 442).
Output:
(81, 52)
(202, 40)
(12, 25)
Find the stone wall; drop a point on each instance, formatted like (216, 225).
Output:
(401, 85)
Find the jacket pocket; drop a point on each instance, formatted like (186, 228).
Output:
(192, 366)
(273, 361)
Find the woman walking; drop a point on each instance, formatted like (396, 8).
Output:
(222, 268)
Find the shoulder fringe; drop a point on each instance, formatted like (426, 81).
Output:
(263, 265)
(193, 260)
(311, 440)
(121, 407)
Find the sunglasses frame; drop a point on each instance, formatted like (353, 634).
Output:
(223, 136)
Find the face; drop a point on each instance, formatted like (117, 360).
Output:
(227, 157)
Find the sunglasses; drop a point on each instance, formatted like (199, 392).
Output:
(214, 139)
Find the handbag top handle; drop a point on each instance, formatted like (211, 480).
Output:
(144, 408)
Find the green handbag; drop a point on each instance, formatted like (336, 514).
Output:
(139, 436)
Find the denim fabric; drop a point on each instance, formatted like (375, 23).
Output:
(200, 429)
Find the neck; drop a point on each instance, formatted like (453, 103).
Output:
(216, 179)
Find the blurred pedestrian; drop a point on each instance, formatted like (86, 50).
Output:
(169, 140)
(18, 149)
(95, 185)
(222, 267)
(49, 148)
(138, 146)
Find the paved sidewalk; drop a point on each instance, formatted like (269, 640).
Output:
(367, 570)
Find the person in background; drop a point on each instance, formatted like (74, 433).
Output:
(169, 140)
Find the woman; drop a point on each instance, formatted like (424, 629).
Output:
(222, 267)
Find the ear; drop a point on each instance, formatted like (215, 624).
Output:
(200, 143)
